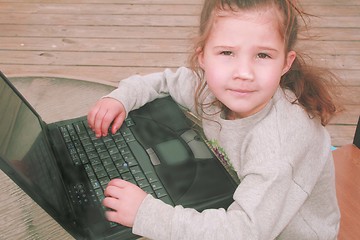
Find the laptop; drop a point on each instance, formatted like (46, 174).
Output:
(64, 168)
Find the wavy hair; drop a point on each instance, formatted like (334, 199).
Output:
(314, 87)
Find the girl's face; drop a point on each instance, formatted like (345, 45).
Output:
(244, 59)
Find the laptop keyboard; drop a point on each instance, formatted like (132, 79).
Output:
(106, 158)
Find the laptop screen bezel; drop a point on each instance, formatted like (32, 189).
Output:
(66, 218)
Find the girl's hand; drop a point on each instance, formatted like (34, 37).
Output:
(124, 198)
(105, 112)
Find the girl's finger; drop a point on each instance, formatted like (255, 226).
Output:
(112, 216)
(118, 121)
(112, 203)
(117, 182)
(113, 191)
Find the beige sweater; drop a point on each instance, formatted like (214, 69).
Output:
(282, 157)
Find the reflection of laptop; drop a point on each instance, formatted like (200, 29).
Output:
(60, 167)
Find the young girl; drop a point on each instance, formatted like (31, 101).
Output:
(263, 106)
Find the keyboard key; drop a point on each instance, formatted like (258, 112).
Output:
(101, 174)
(85, 140)
(148, 189)
(139, 176)
(127, 176)
(79, 127)
(142, 183)
(89, 170)
(156, 185)
(104, 155)
(98, 168)
(104, 181)
(95, 184)
(113, 174)
(99, 192)
(122, 168)
(84, 160)
(160, 193)
(113, 150)
(89, 148)
(129, 122)
(110, 167)
(95, 161)
(135, 170)
(98, 142)
(107, 161)
(110, 144)
(121, 144)
(129, 138)
(125, 150)
(128, 157)
(107, 138)
(117, 157)
(151, 177)
(125, 131)
(132, 162)
(100, 148)
(117, 137)
(92, 154)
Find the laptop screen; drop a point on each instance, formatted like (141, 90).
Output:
(24, 147)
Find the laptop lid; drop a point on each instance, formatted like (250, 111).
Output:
(26, 156)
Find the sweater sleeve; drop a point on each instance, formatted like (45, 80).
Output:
(137, 90)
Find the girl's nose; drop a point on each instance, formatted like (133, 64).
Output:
(243, 70)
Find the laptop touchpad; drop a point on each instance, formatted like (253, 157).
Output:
(172, 152)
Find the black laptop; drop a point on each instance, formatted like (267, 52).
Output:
(65, 168)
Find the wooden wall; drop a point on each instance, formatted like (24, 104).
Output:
(107, 40)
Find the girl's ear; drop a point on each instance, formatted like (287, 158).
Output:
(200, 54)
(289, 61)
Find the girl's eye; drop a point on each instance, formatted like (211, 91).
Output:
(263, 55)
(226, 53)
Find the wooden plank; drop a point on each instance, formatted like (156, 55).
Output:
(349, 116)
(98, 20)
(141, 20)
(341, 134)
(333, 10)
(59, 30)
(188, 2)
(110, 75)
(330, 47)
(338, 61)
(338, 22)
(101, 9)
(335, 34)
(95, 44)
(330, 2)
(351, 95)
(124, 59)
(121, 32)
(348, 77)
(153, 9)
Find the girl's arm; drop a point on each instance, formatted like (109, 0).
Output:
(137, 90)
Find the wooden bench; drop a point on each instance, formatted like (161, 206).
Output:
(347, 173)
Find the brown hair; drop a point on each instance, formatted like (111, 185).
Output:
(314, 87)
